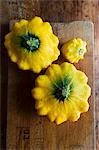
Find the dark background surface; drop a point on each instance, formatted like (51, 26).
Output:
(53, 11)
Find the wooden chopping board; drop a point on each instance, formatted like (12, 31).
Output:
(28, 131)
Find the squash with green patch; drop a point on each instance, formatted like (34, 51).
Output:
(32, 44)
(74, 50)
(62, 93)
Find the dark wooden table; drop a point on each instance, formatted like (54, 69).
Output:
(53, 11)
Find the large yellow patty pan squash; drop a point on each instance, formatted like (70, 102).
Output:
(32, 44)
(74, 50)
(62, 93)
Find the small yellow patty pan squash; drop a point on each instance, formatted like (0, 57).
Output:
(74, 50)
(32, 44)
(62, 93)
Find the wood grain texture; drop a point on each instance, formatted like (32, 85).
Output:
(53, 11)
(25, 129)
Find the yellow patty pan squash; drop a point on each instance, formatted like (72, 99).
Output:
(62, 93)
(74, 50)
(32, 44)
